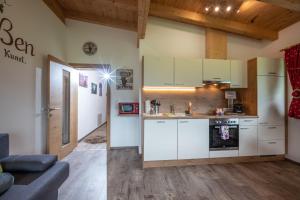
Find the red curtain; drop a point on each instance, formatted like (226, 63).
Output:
(292, 62)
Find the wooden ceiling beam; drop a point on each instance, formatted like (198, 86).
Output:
(143, 12)
(57, 9)
(189, 17)
(287, 4)
(106, 21)
(121, 4)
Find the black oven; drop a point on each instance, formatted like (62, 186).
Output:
(223, 134)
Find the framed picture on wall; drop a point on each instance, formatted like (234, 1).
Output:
(83, 80)
(94, 88)
(100, 89)
(124, 79)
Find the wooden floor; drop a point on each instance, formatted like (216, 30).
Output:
(88, 173)
(253, 181)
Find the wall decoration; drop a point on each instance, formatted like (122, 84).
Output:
(3, 3)
(94, 88)
(124, 79)
(100, 89)
(83, 80)
(89, 48)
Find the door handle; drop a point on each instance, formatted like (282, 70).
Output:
(49, 109)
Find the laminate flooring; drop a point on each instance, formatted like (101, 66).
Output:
(246, 181)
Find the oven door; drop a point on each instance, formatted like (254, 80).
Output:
(217, 143)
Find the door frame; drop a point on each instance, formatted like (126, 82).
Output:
(73, 111)
(85, 66)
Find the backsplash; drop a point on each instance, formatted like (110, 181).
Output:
(205, 100)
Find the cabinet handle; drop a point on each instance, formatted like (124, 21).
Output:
(272, 142)
(263, 123)
(161, 122)
(272, 127)
(248, 120)
(183, 122)
(273, 73)
(244, 128)
(179, 83)
(236, 85)
(216, 78)
(168, 84)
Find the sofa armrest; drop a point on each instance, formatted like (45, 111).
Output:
(16, 192)
(28, 163)
(50, 181)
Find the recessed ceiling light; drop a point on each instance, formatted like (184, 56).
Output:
(228, 8)
(217, 8)
(207, 9)
(238, 11)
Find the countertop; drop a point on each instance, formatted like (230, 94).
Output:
(194, 116)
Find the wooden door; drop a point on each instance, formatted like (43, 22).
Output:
(62, 108)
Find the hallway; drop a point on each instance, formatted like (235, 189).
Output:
(88, 171)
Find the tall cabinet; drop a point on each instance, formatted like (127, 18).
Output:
(267, 85)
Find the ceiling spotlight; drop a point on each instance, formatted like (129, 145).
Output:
(228, 8)
(238, 11)
(207, 9)
(217, 8)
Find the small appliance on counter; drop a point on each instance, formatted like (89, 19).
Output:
(129, 108)
(230, 96)
(238, 108)
(189, 109)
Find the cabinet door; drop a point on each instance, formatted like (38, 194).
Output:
(271, 147)
(248, 141)
(271, 132)
(271, 101)
(193, 139)
(188, 72)
(270, 66)
(216, 70)
(160, 140)
(238, 74)
(158, 71)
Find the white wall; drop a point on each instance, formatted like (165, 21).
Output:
(22, 88)
(118, 48)
(91, 105)
(169, 38)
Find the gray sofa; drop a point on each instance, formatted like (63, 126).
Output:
(37, 177)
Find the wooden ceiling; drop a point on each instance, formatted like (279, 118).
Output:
(260, 19)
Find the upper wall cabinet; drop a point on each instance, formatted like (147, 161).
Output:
(188, 72)
(238, 74)
(216, 70)
(158, 71)
(270, 67)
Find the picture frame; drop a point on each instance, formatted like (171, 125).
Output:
(124, 79)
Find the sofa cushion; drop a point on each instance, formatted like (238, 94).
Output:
(6, 181)
(32, 163)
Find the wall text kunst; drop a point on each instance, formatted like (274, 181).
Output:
(8, 39)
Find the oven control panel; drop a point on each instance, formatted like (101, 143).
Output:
(224, 121)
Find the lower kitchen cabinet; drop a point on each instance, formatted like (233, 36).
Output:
(271, 147)
(248, 139)
(160, 140)
(193, 138)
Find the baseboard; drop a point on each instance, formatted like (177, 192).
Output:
(91, 132)
(292, 161)
(209, 161)
(123, 148)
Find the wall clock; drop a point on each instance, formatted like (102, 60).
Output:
(89, 48)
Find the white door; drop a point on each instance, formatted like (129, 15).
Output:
(188, 72)
(238, 74)
(216, 70)
(193, 138)
(271, 100)
(270, 66)
(248, 141)
(160, 140)
(158, 71)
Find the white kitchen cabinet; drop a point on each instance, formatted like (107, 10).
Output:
(248, 139)
(248, 122)
(271, 132)
(160, 140)
(271, 100)
(271, 147)
(238, 74)
(158, 71)
(224, 154)
(188, 72)
(193, 138)
(216, 70)
(270, 66)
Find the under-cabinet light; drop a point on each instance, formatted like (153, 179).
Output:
(186, 89)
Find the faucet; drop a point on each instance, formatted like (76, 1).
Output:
(172, 108)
